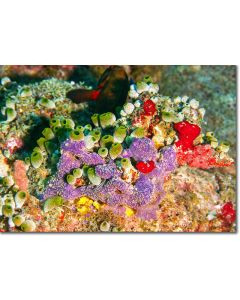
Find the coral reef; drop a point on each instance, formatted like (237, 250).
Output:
(149, 166)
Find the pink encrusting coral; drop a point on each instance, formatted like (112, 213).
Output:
(19, 175)
(201, 156)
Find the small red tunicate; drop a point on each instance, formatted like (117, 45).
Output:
(145, 167)
(187, 133)
(62, 215)
(149, 107)
(228, 212)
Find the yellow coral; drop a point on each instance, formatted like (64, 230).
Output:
(83, 200)
(96, 205)
(83, 210)
(129, 212)
(90, 202)
(84, 205)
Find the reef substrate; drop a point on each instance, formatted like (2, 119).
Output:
(149, 167)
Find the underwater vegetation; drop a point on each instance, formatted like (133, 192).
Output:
(144, 164)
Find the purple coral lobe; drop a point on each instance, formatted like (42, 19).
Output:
(142, 149)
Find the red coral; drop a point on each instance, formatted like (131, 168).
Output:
(228, 213)
(187, 133)
(19, 175)
(149, 107)
(145, 167)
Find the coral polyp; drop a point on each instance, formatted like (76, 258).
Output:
(130, 170)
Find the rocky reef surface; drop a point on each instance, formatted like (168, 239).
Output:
(152, 166)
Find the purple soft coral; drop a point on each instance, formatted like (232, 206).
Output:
(142, 192)
(107, 171)
(142, 150)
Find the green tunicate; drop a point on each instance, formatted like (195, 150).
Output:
(95, 119)
(18, 220)
(89, 141)
(48, 133)
(28, 226)
(10, 103)
(209, 134)
(105, 226)
(7, 210)
(94, 179)
(88, 127)
(36, 159)
(7, 153)
(77, 173)
(103, 152)
(10, 201)
(214, 143)
(129, 140)
(25, 92)
(5, 80)
(148, 79)
(52, 203)
(224, 147)
(120, 134)
(56, 129)
(116, 229)
(126, 163)
(85, 169)
(55, 122)
(80, 128)
(20, 198)
(106, 141)
(115, 150)
(50, 147)
(107, 119)
(167, 116)
(47, 103)
(7, 181)
(141, 86)
(128, 108)
(138, 132)
(76, 135)
(27, 161)
(96, 133)
(11, 114)
(71, 179)
(41, 141)
(37, 149)
(68, 123)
